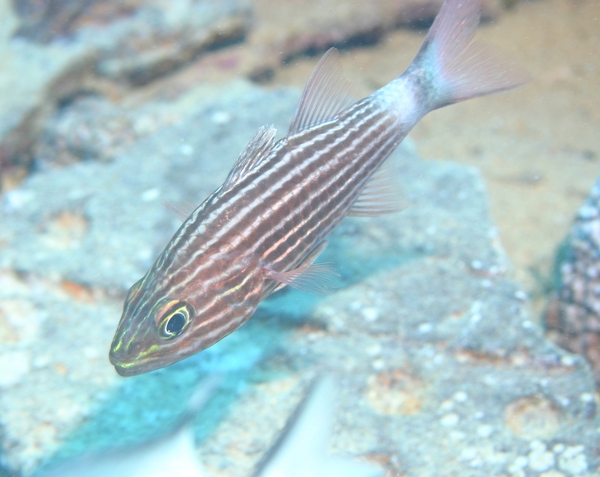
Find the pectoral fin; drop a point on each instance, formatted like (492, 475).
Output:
(317, 278)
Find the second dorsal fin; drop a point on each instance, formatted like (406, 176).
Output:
(326, 93)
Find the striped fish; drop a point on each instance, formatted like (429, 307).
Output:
(265, 226)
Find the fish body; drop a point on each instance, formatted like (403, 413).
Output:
(264, 227)
(301, 449)
(173, 454)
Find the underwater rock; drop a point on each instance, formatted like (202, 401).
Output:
(136, 43)
(104, 209)
(92, 128)
(285, 30)
(47, 19)
(171, 454)
(173, 34)
(300, 451)
(573, 317)
(438, 369)
(54, 51)
(301, 448)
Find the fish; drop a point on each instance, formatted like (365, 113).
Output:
(301, 448)
(265, 226)
(173, 453)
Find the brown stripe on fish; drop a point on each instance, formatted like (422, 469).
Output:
(296, 238)
(291, 165)
(340, 190)
(290, 190)
(281, 176)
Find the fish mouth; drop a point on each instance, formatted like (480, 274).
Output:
(141, 360)
(128, 369)
(133, 365)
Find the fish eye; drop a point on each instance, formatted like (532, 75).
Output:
(174, 322)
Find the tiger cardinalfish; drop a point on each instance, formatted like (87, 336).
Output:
(263, 228)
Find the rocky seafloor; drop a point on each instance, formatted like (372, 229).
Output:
(439, 369)
(572, 316)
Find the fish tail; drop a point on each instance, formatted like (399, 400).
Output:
(452, 68)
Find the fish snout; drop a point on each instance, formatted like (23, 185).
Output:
(124, 354)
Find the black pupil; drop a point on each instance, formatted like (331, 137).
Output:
(175, 324)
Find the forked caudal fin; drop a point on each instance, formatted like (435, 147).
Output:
(452, 67)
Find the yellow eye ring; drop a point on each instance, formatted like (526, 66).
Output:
(175, 322)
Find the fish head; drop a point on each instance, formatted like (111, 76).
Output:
(158, 329)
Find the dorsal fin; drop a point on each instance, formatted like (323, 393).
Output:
(254, 153)
(326, 94)
(183, 210)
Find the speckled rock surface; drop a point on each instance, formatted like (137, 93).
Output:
(285, 30)
(135, 45)
(573, 316)
(438, 369)
(56, 51)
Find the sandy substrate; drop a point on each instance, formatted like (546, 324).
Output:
(537, 147)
